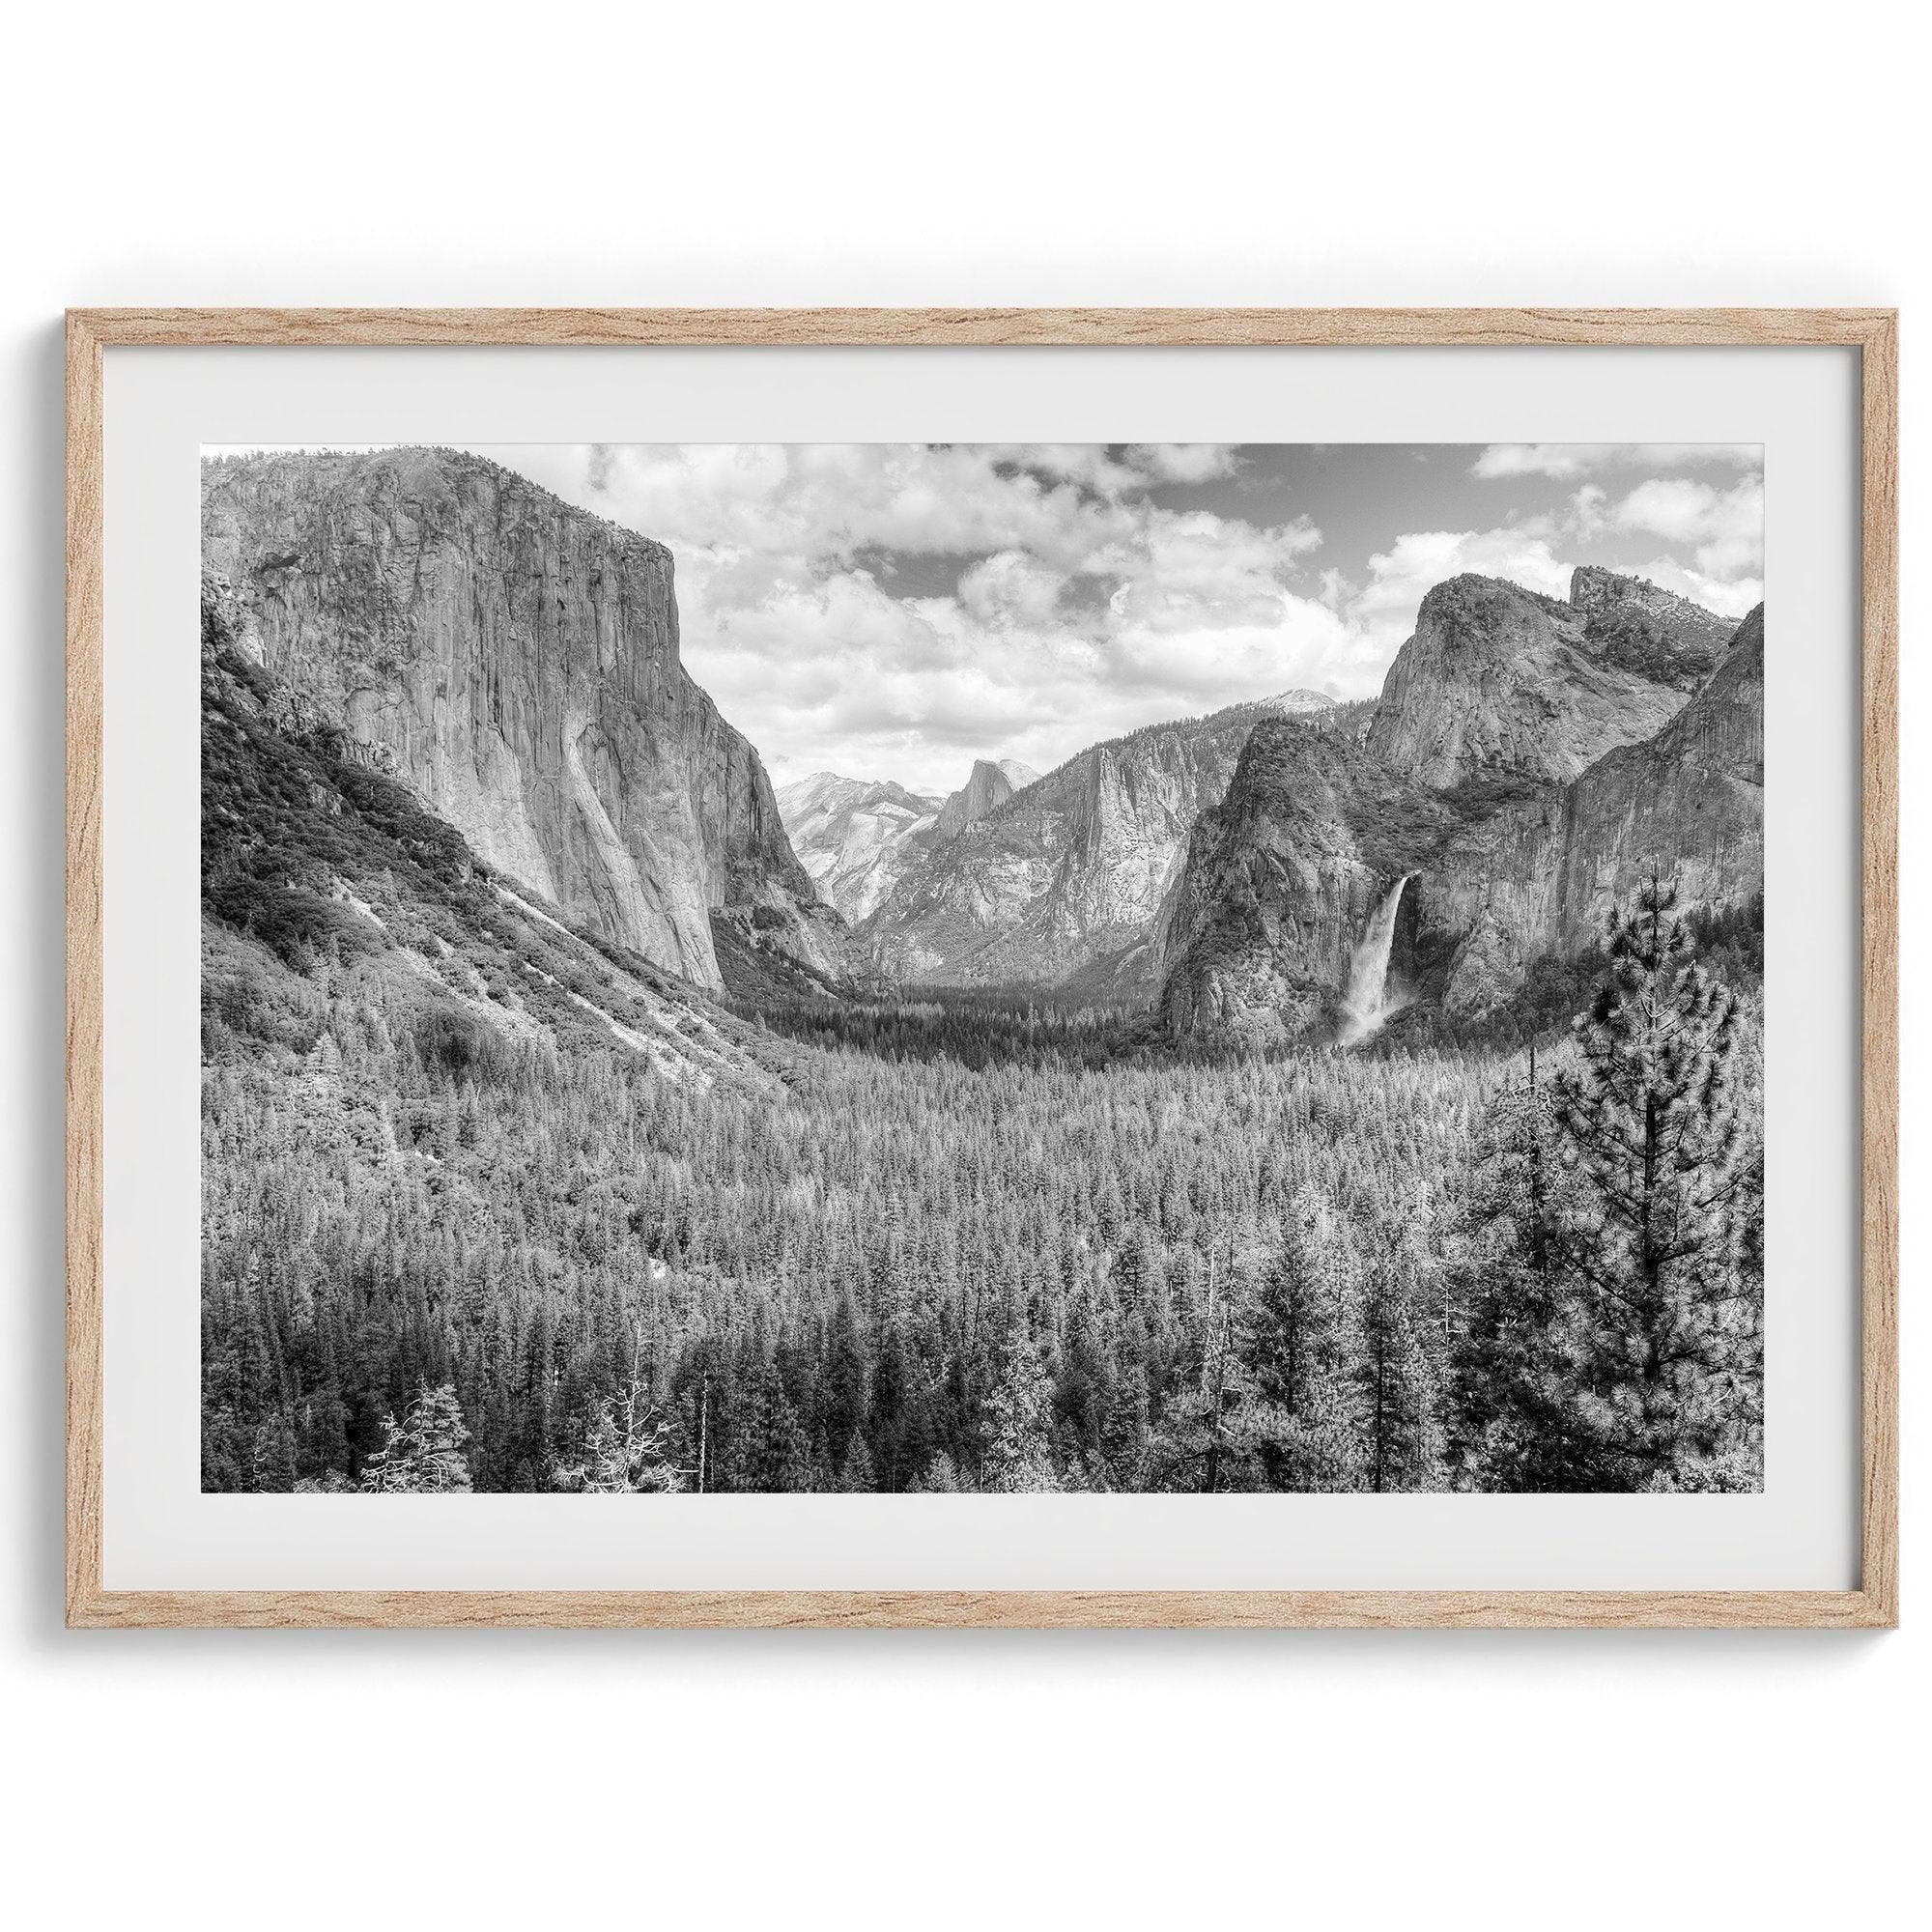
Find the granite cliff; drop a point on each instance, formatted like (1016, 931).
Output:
(1500, 682)
(855, 837)
(1529, 762)
(307, 854)
(515, 662)
(988, 787)
(1281, 880)
(1538, 877)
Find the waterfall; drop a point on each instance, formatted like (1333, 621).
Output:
(1364, 1004)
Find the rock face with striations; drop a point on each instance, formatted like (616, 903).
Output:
(1066, 877)
(1541, 876)
(855, 837)
(515, 661)
(989, 787)
(1498, 682)
(1280, 883)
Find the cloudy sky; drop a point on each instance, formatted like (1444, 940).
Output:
(895, 610)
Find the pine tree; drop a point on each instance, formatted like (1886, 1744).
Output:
(899, 1427)
(845, 1381)
(1390, 1378)
(941, 1477)
(770, 1450)
(1288, 1428)
(1652, 1135)
(1513, 1422)
(422, 1454)
(1018, 1418)
(855, 1473)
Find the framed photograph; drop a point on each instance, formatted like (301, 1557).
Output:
(1000, 968)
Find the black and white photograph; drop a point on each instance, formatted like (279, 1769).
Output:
(932, 968)
(961, 968)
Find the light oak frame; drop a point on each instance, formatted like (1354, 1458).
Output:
(1872, 332)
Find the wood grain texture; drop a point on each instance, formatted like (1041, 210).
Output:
(85, 1006)
(940, 327)
(1879, 941)
(986, 1609)
(1874, 333)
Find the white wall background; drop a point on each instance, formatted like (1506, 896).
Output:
(354, 152)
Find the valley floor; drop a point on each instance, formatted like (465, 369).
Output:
(952, 1247)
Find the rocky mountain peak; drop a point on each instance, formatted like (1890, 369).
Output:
(1721, 730)
(1594, 587)
(990, 785)
(1638, 625)
(1500, 682)
(1538, 877)
(860, 838)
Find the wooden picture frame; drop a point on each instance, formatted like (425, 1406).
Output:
(1871, 332)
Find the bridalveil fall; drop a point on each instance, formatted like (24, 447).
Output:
(1364, 1004)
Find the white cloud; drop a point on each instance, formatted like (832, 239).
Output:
(1184, 462)
(1336, 589)
(1011, 588)
(1566, 460)
(1087, 463)
(1382, 613)
(810, 503)
(1181, 571)
(1668, 506)
(1727, 527)
(896, 610)
(1587, 509)
(1068, 605)
(1138, 467)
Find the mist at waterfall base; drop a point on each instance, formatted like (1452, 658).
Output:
(1367, 1000)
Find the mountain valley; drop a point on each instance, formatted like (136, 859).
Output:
(516, 663)
(580, 1112)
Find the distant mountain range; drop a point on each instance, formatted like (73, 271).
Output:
(1066, 874)
(1061, 880)
(857, 837)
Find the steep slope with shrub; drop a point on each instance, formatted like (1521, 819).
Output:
(324, 880)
